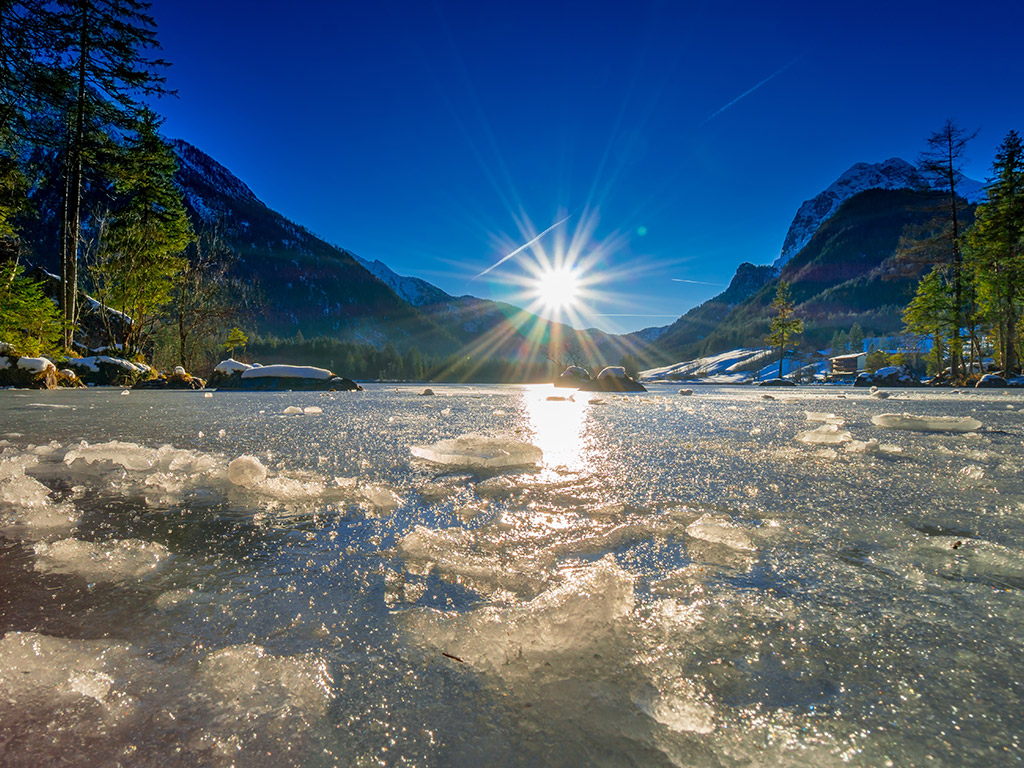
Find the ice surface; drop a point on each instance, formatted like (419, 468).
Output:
(476, 451)
(826, 434)
(246, 471)
(244, 682)
(118, 560)
(287, 372)
(926, 423)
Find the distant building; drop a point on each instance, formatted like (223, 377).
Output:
(847, 366)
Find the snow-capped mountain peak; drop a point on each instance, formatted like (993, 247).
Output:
(894, 173)
(412, 289)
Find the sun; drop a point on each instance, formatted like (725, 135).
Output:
(557, 288)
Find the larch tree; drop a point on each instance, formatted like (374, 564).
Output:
(941, 162)
(147, 231)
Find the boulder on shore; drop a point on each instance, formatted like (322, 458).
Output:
(613, 379)
(891, 376)
(27, 372)
(102, 370)
(180, 379)
(573, 377)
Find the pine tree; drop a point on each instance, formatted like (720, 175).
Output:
(29, 321)
(236, 339)
(930, 313)
(856, 338)
(785, 324)
(996, 248)
(104, 56)
(147, 232)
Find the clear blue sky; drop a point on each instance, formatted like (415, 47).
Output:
(685, 134)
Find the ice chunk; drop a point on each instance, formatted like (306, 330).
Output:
(39, 672)
(246, 471)
(116, 560)
(719, 529)
(312, 409)
(926, 423)
(827, 418)
(826, 434)
(292, 410)
(243, 684)
(383, 499)
(566, 620)
(128, 455)
(480, 452)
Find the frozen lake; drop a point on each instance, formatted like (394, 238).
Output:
(732, 578)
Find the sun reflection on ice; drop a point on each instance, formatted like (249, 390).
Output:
(558, 426)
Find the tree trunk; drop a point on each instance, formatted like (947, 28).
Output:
(72, 218)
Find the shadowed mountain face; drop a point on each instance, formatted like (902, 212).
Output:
(844, 274)
(307, 284)
(317, 288)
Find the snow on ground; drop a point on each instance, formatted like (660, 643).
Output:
(724, 363)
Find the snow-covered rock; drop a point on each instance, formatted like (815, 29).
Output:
(613, 379)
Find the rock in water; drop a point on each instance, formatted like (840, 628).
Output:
(613, 379)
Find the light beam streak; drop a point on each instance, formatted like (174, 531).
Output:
(695, 282)
(519, 250)
(747, 93)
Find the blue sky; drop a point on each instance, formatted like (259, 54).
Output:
(678, 137)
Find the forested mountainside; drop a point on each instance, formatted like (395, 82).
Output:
(845, 274)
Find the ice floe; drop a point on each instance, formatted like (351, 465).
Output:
(480, 452)
(826, 434)
(117, 560)
(926, 423)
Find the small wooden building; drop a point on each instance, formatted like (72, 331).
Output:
(843, 366)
